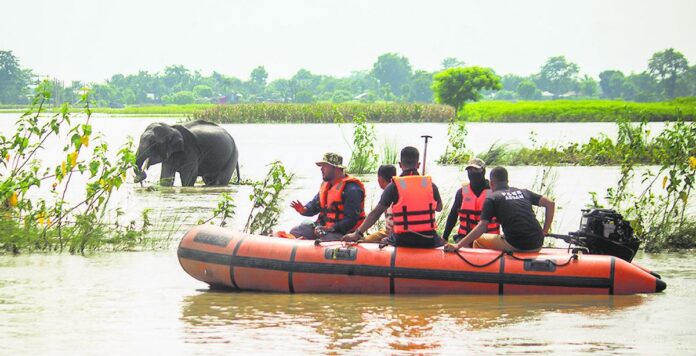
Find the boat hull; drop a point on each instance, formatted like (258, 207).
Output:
(225, 258)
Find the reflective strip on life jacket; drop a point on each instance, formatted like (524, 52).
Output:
(415, 209)
(470, 212)
(331, 203)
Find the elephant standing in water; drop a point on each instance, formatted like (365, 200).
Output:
(197, 148)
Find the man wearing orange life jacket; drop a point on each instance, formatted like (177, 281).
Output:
(340, 203)
(414, 200)
(468, 203)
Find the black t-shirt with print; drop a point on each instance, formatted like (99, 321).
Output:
(513, 209)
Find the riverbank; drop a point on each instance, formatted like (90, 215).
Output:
(486, 111)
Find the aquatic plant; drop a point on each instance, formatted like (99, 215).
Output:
(390, 153)
(266, 199)
(224, 210)
(659, 213)
(456, 151)
(28, 223)
(363, 158)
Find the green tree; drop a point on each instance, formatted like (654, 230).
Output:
(511, 81)
(452, 62)
(304, 97)
(13, 80)
(259, 76)
(557, 76)
(176, 78)
(203, 91)
(588, 86)
(183, 97)
(666, 67)
(340, 96)
(612, 83)
(642, 87)
(420, 87)
(456, 86)
(526, 89)
(392, 69)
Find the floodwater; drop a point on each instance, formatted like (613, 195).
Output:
(143, 302)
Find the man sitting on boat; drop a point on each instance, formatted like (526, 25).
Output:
(414, 200)
(512, 208)
(468, 202)
(340, 203)
(385, 175)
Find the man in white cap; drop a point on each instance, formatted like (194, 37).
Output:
(340, 203)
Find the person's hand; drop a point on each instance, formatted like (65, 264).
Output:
(319, 231)
(451, 248)
(298, 206)
(352, 237)
(389, 225)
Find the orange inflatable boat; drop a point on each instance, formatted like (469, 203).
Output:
(224, 258)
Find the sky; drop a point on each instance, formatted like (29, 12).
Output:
(90, 40)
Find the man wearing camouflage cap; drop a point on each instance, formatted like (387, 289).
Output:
(468, 202)
(340, 203)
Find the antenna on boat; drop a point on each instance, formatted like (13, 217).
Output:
(425, 151)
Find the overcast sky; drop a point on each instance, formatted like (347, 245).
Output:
(93, 39)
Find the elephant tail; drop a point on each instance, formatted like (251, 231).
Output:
(239, 178)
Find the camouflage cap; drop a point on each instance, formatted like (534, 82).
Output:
(333, 159)
(476, 163)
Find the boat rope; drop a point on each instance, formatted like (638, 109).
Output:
(483, 265)
(511, 254)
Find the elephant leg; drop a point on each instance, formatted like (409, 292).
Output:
(223, 178)
(188, 177)
(167, 175)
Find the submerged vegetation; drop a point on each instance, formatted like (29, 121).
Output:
(30, 224)
(363, 158)
(659, 214)
(633, 139)
(267, 197)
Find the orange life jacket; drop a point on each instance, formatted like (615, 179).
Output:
(331, 202)
(415, 209)
(470, 212)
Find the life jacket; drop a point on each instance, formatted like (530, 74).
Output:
(415, 209)
(331, 202)
(470, 212)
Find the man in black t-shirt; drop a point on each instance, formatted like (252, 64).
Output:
(513, 209)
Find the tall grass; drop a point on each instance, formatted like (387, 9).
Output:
(325, 113)
(390, 153)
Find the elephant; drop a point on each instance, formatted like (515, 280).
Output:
(197, 148)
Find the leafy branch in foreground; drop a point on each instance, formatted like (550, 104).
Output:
(35, 214)
(266, 199)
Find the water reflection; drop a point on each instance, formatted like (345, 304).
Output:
(408, 323)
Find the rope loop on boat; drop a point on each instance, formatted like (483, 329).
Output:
(511, 254)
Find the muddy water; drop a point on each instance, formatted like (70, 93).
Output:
(143, 302)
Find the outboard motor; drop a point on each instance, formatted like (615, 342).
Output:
(604, 232)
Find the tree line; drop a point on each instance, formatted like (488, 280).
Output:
(391, 79)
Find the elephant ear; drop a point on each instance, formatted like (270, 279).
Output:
(175, 142)
(186, 141)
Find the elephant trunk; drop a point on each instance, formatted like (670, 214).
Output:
(142, 163)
